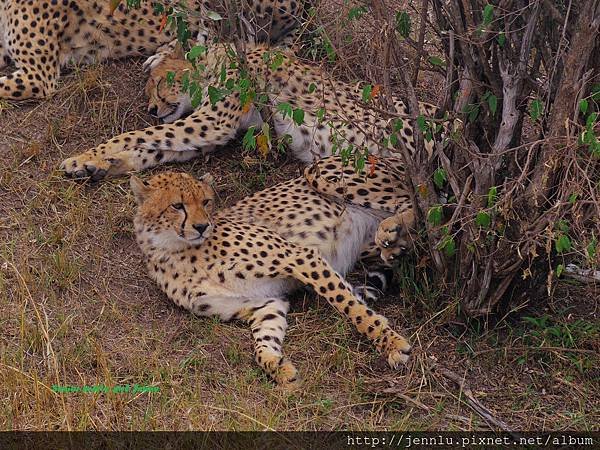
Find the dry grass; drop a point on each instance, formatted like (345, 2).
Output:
(76, 308)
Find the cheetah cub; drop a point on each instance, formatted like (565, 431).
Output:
(239, 263)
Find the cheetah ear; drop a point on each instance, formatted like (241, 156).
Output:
(140, 189)
(208, 179)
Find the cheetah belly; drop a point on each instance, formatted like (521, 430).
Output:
(261, 287)
(357, 229)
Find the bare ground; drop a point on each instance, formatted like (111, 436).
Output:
(76, 308)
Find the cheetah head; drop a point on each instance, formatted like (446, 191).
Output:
(174, 210)
(166, 98)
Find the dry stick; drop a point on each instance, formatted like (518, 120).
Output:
(471, 401)
(424, 6)
(398, 393)
(524, 348)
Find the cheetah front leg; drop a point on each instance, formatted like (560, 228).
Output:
(268, 323)
(310, 268)
(182, 140)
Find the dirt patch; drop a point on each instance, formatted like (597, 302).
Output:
(76, 308)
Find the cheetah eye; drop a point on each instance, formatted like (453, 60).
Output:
(206, 202)
(177, 206)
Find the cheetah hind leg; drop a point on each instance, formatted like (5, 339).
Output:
(28, 81)
(4, 58)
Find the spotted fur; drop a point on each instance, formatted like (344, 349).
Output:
(239, 263)
(346, 119)
(41, 36)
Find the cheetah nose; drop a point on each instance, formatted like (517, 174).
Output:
(153, 110)
(200, 227)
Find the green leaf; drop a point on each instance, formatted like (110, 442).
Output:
(359, 163)
(583, 106)
(591, 120)
(329, 49)
(501, 38)
(312, 87)
(195, 52)
(491, 196)
(215, 95)
(563, 226)
(572, 198)
(170, 78)
(183, 32)
(483, 219)
(436, 61)
(422, 123)
(435, 215)
(366, 93)
(559, 270)
(285, 109)
(596, 92)
(536, 109)
(320, 114)
(473, 112)
(277, 61)
(403, 24)
(356, 13)
(196, 97)
(448, 246)
(185, 81)
(488, 14)
(563, 243)
(249, 141)
(298, 116)
(591, 248)
(492, 101)
(439, 177)
(397, 125)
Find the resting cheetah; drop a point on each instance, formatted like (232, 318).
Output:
(344, 118)
(238, 263)
(41, 36)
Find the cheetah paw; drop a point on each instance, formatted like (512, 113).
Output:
(398, 350)
(393, 236)
(286, 376)
(90, 165)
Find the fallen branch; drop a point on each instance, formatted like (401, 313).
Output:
(471, 401)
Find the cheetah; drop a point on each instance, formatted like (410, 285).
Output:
(42, 36)
(238, 263)
(335, 115)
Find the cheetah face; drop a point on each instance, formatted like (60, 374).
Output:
(166, 100)
(174, 210)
